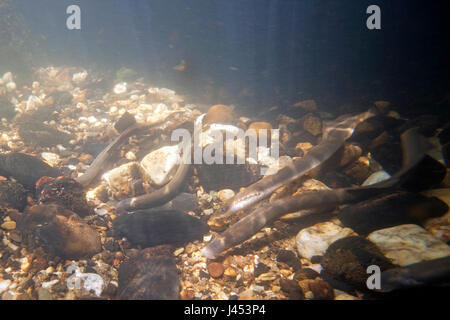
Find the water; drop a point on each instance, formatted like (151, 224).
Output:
(73, 103)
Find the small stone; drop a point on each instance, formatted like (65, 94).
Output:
(225, 194)
(187, 294)
(51, 158)
(230, 272)
(309, 295)
(130, 156)
(322, 290)
(215, 269)
(312, 124)
(269, 276)
(315, 240)
(9, 225)
(25, 267)
(120, 88)
(290, 258)
(4, 285)
(121, 180)
(305, 274)
(292, 289)
(248, 294)
(304, 146)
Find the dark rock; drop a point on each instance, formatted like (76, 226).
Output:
(39, 134)
(25, 169)
(260, 269)
(347, 259)
(7, 109)
(61, 231)
(63, 191)
(322, 290)
(125, 121)
(112, 246)
(305, 273)
(227, 176)
(390, 210)
(292, 289)
(151, 275)
(149, 228)
(290, 258)
(12, 195)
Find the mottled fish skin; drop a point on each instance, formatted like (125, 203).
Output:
(413, 152)
(425, 273)
(334, 134)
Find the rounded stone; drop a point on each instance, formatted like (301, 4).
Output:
(215, 269)
(225, 194)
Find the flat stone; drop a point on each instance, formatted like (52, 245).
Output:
(121, 180)
(408, 244)
(160, 165)
(315, 240)
(9, 225)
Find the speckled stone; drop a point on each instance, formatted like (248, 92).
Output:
(160, 165)
(315, 240)
(408, 244)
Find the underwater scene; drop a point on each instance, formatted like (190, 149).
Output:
(224, 150)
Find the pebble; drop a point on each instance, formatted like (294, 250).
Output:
(312, 124)
(4, 285)
(160, 165)
(215, 269)
(121, 180)
(120, 88)
(322, 290)
(315, 240)
(225, 194)
(269, 276)
(408, 244)
(9, 225)
(130, 156)
(51, 158)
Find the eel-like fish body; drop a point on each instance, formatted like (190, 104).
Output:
(425, 273)
(335, 134)
(413, 152)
